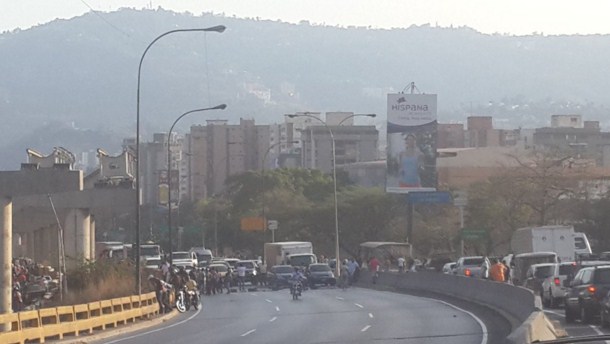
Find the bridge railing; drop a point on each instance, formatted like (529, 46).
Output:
(59, 322)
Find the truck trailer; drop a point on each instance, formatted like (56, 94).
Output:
(295, 253)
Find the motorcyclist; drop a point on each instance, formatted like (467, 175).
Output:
(297, 277)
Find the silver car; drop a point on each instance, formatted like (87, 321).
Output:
(475, 266)
(552, 288)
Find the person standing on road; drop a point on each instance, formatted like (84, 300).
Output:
(401, 264)
(241, 276)
(497, 272)
(263, 276)
(374, 268)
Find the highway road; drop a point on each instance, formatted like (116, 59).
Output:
(577, 329)
(322, 316)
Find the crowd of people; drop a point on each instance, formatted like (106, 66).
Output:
(31, 282)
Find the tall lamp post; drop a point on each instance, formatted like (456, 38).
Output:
(332, 137)
(219, 28)
(169, 170)
(264, 162)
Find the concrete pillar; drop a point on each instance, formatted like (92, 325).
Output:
(6, 256)
(92, 237)
(77, 236)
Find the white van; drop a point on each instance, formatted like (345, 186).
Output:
(204, 256)
(581, 244)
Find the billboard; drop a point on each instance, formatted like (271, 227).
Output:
(411, 152)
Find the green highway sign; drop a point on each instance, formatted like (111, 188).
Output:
(473, 234)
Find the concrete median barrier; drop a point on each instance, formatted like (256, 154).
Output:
(518, 304)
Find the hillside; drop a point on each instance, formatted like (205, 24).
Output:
(82, 73)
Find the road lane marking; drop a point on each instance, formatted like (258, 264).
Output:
(277, 308)
(594, 328)
(254, 294)
(371, 315)
(273, 319)
(340, 298)
(156, 330)
(484, 333)
(359, 305)
(268, 300)
(365, 328)
(247, 333)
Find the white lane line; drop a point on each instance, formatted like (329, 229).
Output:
(481, 323)
(254, 294)
(247, 333)
(339, 298)
(273, 319)
(371, 315)
(359, 305)
(365, 328)
(594, 328)
(156, 330)
(277, 308)
(268, 300)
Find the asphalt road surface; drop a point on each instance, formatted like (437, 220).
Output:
(320, 316)
(577, 329)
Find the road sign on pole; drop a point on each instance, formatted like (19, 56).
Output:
(272, 225)
(473, 234)
(429, 197)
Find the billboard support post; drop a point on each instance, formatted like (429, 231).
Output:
(409, 222)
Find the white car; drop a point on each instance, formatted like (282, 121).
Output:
(184, 258)
(552, 290)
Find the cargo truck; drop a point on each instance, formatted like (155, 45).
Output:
(559, 239)
(295, 253)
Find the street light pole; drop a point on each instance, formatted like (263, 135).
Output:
(169, 170)
(219, 29)
(332, 137)
(264, 162)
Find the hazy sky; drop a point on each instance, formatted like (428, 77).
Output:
(489, 16)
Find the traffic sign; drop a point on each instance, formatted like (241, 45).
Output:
(473, 234)
(272, 225)
(429, 197)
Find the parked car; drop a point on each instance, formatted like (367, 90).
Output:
(587, 290)
(184, 258)
(449, 268)
(552, 289)
(476, 266)
(320, 274)
(536, 274)
(278, 276)
(232, 262)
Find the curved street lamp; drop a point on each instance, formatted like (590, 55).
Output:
(169, 170)
(264, 162)
(219, 29)
(332, 137)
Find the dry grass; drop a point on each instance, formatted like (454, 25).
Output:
(95, 281)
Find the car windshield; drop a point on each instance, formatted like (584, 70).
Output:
(219, 267)
(283, 269)
(150, 251)
(565, 270)
(181, 255)
(318, 268)
(602, 276)
(473, 261)
(579, 243)
(543, 271)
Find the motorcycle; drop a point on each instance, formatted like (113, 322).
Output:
(296, 288)
(181, 300)
(192, 299)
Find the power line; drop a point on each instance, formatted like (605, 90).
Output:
(104, 19)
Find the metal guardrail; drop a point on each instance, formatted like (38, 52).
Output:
(58, 322)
